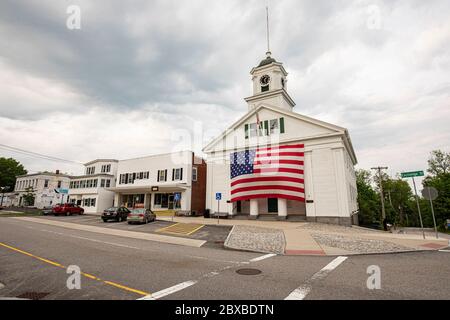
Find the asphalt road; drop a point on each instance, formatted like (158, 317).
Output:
(34, 258)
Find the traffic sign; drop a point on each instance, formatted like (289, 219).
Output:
(430, 193)
(177, 196)
(61, 190)
(412, 174)
(218, 196)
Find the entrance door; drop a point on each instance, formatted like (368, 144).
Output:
(170, 201)
(272, 205)
(239, 206)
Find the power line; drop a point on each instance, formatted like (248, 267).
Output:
(36, 155)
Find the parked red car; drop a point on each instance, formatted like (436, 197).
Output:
(67, 209)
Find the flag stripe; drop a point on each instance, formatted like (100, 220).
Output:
(280, 154)
(289, 146)
(268, 195)
(275, 161)
(266, 170)
(267, 187)
(259, 179)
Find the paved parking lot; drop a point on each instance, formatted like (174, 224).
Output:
(214, 235)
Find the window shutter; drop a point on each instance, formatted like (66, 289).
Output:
(281, 125)
(246, 131)
(266, 127)
(181, 174)
(173, 174)
(165, 175)
(158, 175)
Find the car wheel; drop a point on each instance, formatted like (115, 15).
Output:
(105, 220)
(117, 219)
(67, 214)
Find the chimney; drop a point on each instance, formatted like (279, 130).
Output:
(57, 171)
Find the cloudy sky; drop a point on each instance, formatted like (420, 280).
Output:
(139, 74)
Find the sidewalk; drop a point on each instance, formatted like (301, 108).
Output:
(304, 238)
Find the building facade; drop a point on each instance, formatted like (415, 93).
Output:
(323, 170)
(173, 181)
(90, 190)
(45, 186)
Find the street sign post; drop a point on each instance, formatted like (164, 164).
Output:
(431, 194)
(413, 174)
(218, 198)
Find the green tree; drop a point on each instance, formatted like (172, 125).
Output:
(28, 197)
(439, 178)
(398, 198)
(368, 200)
(439, 163)
(9, 169)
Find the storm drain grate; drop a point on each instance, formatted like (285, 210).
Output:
(33, 295)
(248, 272)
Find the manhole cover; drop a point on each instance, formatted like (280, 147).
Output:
(248, 272)
(33, 295)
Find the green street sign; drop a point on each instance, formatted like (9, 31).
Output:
(412, 174)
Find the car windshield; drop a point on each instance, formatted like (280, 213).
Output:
(139, 211)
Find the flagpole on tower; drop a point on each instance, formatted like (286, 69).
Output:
(268, 34)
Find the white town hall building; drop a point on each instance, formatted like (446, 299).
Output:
(289, 166)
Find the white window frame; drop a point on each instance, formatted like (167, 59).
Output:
(177, 174)
(274, 126)
(252, 130)
(194, 174)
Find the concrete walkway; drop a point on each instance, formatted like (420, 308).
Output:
(304, 238)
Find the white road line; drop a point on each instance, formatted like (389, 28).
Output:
(266, 256)
(444, 250)
(301, 292)
(167, 291)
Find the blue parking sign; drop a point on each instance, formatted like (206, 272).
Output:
(218, 196)
(177, 196)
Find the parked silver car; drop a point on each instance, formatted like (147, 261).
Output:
(141, 216)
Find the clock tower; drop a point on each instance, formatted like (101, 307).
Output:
(270, 85)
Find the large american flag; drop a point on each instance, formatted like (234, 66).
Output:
(269, 172)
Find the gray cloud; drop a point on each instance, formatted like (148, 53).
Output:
(162, 66)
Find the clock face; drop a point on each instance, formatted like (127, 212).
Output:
(265, 79)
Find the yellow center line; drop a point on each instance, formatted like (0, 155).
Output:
(87, 275)
(127, 288)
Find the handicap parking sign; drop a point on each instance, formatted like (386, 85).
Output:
(177, 197)
(218, 196)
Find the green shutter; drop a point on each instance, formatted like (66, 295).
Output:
(281, 125)
(246, 131)
(266, 127)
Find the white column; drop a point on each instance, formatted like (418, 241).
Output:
(117, 199)
(282, 208)
(253, 209)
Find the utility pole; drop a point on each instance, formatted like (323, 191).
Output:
(383, 212)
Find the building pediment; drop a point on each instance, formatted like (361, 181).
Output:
(296, 127)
